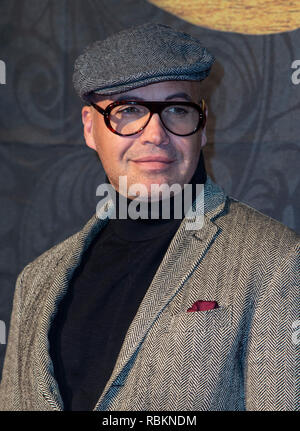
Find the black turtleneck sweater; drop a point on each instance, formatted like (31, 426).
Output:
(102, 300)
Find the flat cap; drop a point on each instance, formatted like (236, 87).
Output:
(140, 56)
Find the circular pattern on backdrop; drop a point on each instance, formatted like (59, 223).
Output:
(62, 202)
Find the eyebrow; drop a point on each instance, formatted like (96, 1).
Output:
(129, 98)
(180, 95)
(171, 96)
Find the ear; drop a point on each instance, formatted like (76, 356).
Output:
(203, 133)
(87, 121)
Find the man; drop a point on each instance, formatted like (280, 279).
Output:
(149, 314)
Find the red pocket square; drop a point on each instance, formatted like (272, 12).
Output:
(203, 306)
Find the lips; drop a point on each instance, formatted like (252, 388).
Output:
(153, 159)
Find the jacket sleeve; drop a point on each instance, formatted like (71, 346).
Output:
(272, 376)
(9, 386)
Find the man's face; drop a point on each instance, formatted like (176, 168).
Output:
(121, 156)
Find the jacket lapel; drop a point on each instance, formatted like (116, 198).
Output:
(73, 249)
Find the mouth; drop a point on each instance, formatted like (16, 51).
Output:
(153, 162)
(160, 159)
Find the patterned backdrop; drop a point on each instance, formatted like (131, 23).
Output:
(49, 177)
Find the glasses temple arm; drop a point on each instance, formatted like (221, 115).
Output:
(98, 108)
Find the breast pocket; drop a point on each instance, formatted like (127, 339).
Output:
(191, 356)
(201, 321)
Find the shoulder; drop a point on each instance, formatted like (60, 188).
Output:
(247, 217)
(241, 222)
(261, 235)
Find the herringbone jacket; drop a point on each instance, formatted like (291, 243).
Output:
(240, 356)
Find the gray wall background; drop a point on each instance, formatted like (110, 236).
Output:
(48, 177)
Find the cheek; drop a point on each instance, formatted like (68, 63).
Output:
(104, 141)
(112, 151)
(191, 150)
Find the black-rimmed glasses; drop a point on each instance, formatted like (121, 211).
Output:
(126, 118)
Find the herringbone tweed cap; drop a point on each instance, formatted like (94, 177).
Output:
(140, 56)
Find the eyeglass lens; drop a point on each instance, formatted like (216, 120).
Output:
(129, 119)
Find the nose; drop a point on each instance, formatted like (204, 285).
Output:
(154, 132)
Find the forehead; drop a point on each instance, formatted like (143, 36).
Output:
(188, 90)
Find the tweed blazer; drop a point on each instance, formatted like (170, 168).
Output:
(240, 356)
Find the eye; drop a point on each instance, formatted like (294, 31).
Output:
(177, 110)
(131, 110)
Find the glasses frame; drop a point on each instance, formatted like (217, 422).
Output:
(154, 108)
